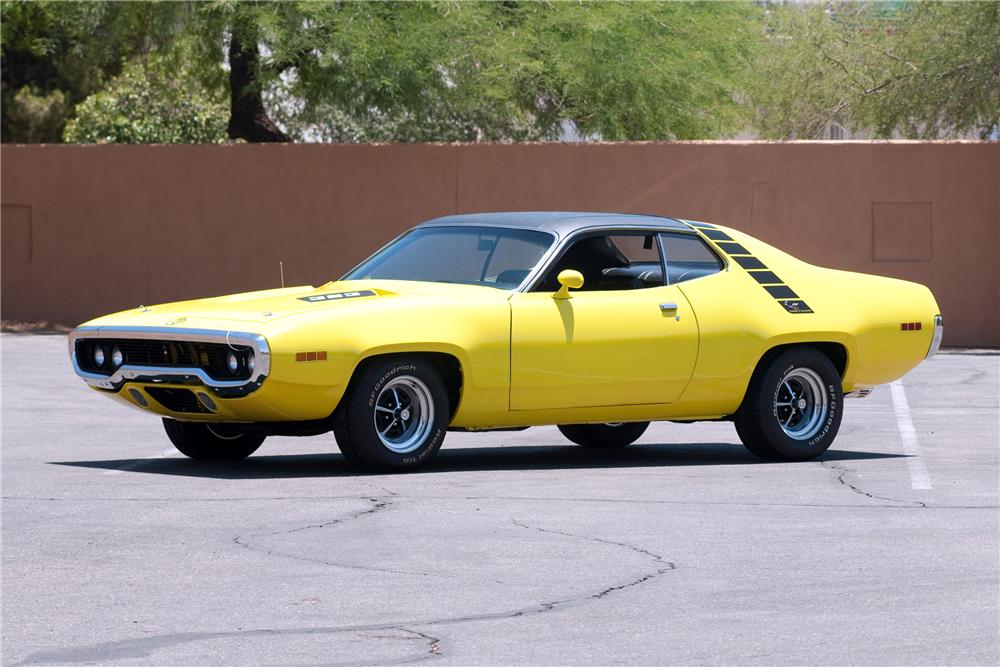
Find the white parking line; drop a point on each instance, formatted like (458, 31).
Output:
(919, 477)
(139, 463)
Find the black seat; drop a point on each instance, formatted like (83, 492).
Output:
(637, 274)
(512, 277)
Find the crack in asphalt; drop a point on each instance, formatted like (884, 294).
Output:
(667, 565)
(971, 377)
(514, 498)
(379, 503)
(433, 647)
(843, 471)
(144, 647)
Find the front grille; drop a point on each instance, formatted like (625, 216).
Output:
(176, 400)
(211, 357)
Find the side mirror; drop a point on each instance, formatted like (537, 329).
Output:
(568, 279)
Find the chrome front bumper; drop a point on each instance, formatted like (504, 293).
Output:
(175, 375)
(938, 334)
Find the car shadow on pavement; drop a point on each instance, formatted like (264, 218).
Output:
(467, 459)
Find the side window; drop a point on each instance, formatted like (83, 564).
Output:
(622, 261)
(688, 257)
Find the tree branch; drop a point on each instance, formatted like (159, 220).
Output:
(248, 118)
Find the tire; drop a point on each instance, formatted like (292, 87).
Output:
(211, 442)
(604, 436)
(394, 415)
(793, 407)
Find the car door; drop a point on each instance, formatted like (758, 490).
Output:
(624, 338)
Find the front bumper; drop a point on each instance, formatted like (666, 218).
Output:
(938, 335)
(172, 375)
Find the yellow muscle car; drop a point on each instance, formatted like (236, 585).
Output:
(596, 322)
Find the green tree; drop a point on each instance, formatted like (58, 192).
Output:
(55, 54)
(151, 102)
(921, 70)
(400, 71)
(511, 70)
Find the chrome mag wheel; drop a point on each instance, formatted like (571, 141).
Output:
(404, 414)
(801, 404)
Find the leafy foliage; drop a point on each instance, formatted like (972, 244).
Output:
(412, 71)
(150, 102)
(36, 117)
(642, 71)
(512, 70)
(501, 71)
(917, 70)
(58, 53)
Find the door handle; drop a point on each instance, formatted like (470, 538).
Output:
(668, 307)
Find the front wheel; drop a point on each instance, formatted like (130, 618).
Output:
(394, 415)
(792, 409)
(211, 442)
(604, 436)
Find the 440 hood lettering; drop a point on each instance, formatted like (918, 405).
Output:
(336, 296)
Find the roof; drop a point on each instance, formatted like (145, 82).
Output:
(559, 222)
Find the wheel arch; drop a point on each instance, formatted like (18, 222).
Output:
(837, 352)
(446, 362)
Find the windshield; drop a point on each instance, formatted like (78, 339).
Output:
(490, 256)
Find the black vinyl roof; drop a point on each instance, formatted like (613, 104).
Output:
(561, 223)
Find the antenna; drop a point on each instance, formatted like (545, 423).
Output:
(281, 268)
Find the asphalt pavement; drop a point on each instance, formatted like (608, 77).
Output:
(511, 548)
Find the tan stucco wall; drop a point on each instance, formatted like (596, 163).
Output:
(92, 229)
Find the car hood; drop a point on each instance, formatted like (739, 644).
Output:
(276, 305)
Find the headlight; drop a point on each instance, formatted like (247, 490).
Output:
(99, 356)
(233, 362)
(251, 362)
(117, 357)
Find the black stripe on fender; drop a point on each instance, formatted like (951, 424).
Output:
(716, 234)
(781, 292)
(733, 248)
(765, 277)
(796, 306)
(749, 262)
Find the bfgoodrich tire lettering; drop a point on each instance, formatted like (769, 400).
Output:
(793, 407)
(211, 442)
(394, 415)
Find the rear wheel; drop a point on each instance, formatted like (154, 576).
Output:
(394, 415)
(211, 442)
(792, 409)
(604, 436)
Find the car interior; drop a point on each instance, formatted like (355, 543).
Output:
(605, 267)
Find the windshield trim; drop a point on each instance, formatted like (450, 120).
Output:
(555, 238)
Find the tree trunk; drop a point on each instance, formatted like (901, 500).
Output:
(248, 118)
